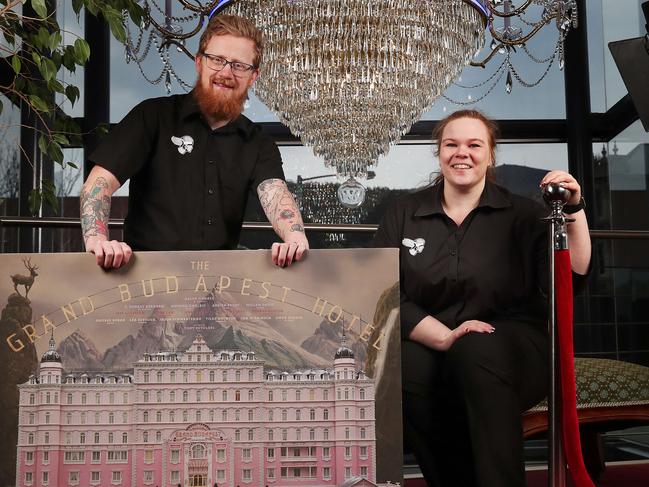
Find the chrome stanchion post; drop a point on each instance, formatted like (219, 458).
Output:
(556, 196)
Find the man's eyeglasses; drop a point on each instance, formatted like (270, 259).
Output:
(217, 63)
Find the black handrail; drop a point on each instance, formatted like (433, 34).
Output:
(62, 222)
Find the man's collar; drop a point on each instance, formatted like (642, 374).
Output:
(493, 196)
(241, 124)
(189, 106)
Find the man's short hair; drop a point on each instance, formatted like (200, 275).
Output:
(234, 25)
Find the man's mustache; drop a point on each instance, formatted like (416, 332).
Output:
(224, 81)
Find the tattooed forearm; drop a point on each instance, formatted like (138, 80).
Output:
(266, 185)
(280, 207)
(95, 208)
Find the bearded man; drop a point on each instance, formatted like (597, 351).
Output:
(191, 160)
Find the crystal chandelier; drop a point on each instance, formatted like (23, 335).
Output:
(350, 77)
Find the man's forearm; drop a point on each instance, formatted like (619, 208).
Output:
(95, 208)
(280, 208)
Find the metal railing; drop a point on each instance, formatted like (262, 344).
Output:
(115, 224)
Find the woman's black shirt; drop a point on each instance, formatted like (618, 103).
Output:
(492, 267)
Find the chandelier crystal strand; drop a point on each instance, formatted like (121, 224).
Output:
(350, 77)
(534, 15)
(137, 51)
(483, 82)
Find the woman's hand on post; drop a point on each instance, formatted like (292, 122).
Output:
(566, 180)
(578, 234)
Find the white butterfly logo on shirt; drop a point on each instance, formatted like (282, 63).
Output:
(185, 143)
(415, 246)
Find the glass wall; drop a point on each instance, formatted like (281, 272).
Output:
(609, 20)
(9, 171)
(72, 28)
(613, 314)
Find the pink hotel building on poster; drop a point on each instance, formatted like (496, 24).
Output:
(197, 418)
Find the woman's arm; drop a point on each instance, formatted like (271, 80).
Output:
(578, 234)
(436, 335)
(579, 240)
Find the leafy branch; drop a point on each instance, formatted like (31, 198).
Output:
(34, 54)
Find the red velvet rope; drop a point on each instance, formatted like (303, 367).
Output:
(568, 399)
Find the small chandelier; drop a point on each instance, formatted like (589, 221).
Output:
(350, 77)
(510, 28)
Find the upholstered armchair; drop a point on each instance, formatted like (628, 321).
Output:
(611, 395)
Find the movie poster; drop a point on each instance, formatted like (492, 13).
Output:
(201, 369)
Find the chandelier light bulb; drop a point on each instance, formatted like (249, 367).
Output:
(351, 193)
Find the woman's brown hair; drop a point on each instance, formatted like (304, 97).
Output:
(492, 130)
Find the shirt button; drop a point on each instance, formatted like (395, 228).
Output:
(210, 191)
(210, 161)
(209, 222)
(453, 252)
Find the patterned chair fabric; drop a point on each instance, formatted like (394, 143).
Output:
(611, 394)
(608, 383)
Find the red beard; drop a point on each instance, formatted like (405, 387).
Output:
(217, 105)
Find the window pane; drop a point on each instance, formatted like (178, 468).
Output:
(9, 171)
(545, 100)
(71, 30)
(609, 20)
(621, 181)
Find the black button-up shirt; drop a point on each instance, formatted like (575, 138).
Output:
(188, 183)
(492, 267)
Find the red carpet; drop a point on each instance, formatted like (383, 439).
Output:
(617, 475)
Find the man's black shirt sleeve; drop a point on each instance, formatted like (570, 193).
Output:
(269, 162)
(129, 145)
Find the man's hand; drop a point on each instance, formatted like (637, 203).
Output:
(110, 254)
(283, 254)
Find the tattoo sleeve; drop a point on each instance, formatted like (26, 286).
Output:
(280, 207)
(95, 208)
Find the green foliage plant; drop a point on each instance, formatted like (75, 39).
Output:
(34, 53)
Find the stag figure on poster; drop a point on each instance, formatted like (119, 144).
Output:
(26, 281)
